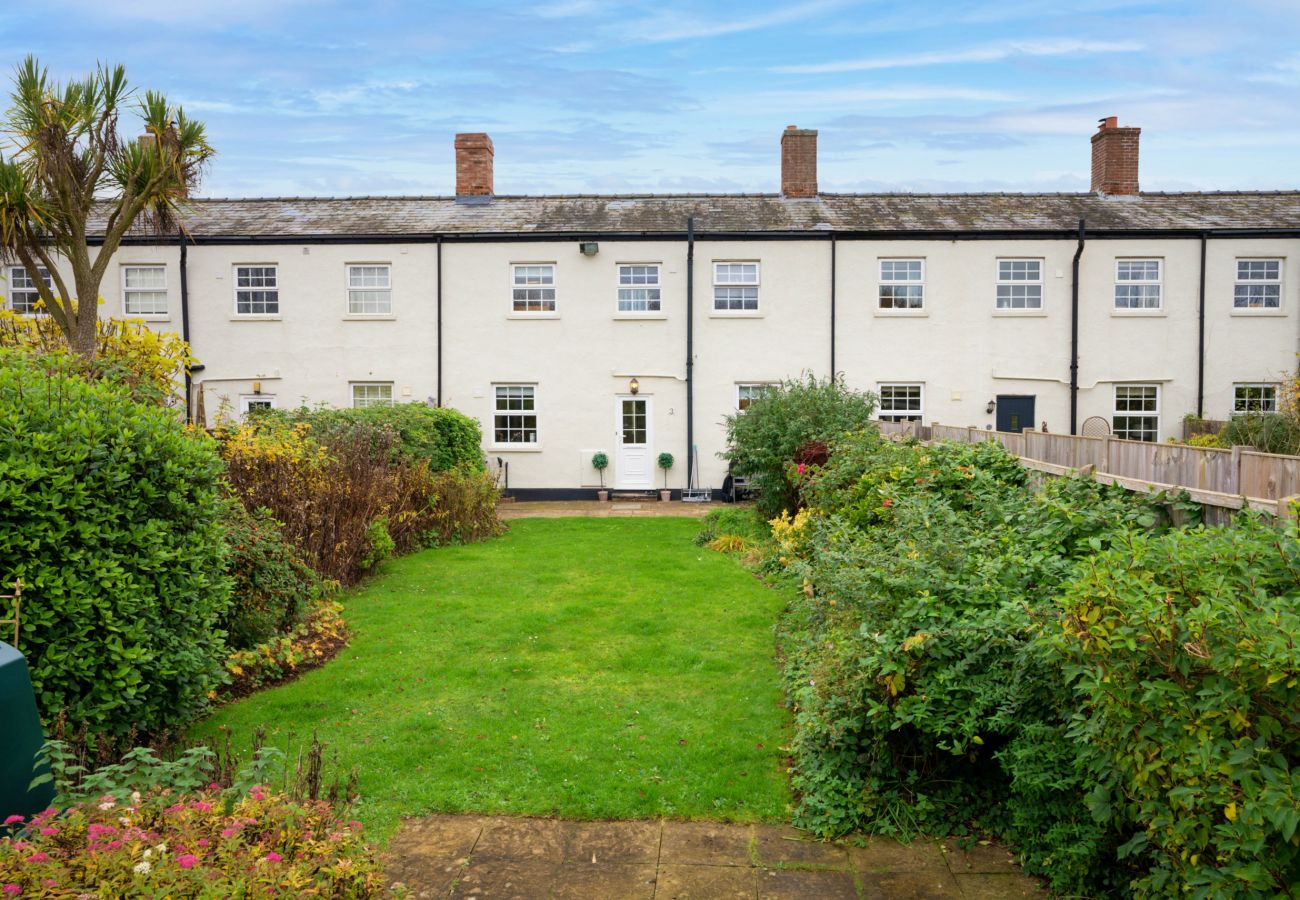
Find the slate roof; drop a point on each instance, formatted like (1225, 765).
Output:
(301, 217)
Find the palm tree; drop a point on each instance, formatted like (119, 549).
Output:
(70, 175)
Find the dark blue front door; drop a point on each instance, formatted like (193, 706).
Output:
(1015, 413)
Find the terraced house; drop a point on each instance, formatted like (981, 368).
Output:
(634, 324)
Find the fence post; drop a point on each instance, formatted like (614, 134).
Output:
(1104, 464)
(1288, 511)
(1236, 470)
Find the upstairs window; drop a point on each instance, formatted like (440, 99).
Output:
(1258, 285)
(902, 284)
(370, 290)
(1137, 284)
(378, 394)
(144, 290)
(1248, 399)
(638, 288)
(23, 295)
(534, 288)
(1020, 284)
(902, 403)
(1137, 412)
(735, 287)
(257, 291)
(515, 418)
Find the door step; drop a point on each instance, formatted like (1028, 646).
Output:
(633, 496)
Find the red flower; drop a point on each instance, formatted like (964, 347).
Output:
(889, 501)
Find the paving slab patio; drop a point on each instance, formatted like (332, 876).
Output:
(508, 856)
(612, 509)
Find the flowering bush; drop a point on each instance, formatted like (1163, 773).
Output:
(206, 844)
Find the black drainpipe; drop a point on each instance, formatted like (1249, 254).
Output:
(690, 352)
(1200, 346)
(439, 304)
(832, 307)
(185, 324)
(1074, 334)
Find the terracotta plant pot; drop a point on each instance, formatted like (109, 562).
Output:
(602, 496)
(665, 496)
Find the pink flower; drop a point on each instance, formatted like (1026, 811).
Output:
(229, 832)
(273, 857)
(889, 501)
(113, 845)
(49, 831)
(203, 842)
(10, 821)
(39, 857)
(800, 468)
(214, 787)
(187, 861)
(354, 824)
(13, 889)
(201, 806)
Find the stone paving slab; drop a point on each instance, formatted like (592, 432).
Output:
(515, 857)
(556, 509)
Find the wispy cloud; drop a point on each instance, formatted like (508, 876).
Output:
(984, 54)
(681, 24)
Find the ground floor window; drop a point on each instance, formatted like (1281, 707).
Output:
(748, 393)
(23, 294)
(902, 403)
(364, 395)
(515, 419)
(250, 402)
(1137, 412)
(1254, 398)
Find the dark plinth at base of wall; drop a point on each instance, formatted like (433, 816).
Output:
(532, 495)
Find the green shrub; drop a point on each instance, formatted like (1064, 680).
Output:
(442, 437)
(1182, 655)
(762, 441)
(737, 521)
(109, 515)
(271, 585)
(464, 507)
(1266, 432)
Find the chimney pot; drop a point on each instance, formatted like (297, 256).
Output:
(1115, 158)
(474, 154)
(798, 162)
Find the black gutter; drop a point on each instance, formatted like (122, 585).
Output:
(690, 352)
(832, 307)
(438, 399)
(1200, 339)
(185, 324)
(1074, 334)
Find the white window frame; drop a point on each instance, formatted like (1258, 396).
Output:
(352, 289)
(1012, 283)
(741, 386)
(247, 401)
(275, 267)
(1157, 283)
(901, 415)
(727, 284)
(656, 288)
(128, 291)
(1116, 412)
(521, 413)
(1238, 281)
(884, 283)
(370, 401)
(1267, 404)
(541, 287)
(31, 311)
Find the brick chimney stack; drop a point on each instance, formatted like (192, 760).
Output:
(474, 165)
(1115, 158)
(798, 162)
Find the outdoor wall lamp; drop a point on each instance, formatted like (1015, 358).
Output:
(588, 248)
(989, 409)
(257, 387)
(634, 386)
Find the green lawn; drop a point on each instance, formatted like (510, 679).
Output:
(588, 668)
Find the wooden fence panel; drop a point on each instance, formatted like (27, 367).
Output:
(1269, 475)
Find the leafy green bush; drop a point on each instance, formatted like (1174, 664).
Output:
(739, 521)
(762, 441)
(442, 437)
(109, 515)
(464, 507)
(1182, 655)
(272, 586)
(1266, 432)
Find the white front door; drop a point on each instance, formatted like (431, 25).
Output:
(633, 467)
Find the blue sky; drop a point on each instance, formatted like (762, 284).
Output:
(583, 96)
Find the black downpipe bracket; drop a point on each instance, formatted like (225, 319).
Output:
(1200, 345)
(833, 373)
(185, 324)
(438, 398)
(690, 353)
(1074, 333)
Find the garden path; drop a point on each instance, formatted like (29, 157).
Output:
(556, 509)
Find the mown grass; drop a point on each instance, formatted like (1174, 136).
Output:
(587, 668)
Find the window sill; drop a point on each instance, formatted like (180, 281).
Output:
(352, 317)
(901, 313)
(737, 314)
(131, 318)
(1019, 314)
(514, 448)
(639, 317)
(1265, 313)
(239, 318)
(521, 316)
(1138, 313)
